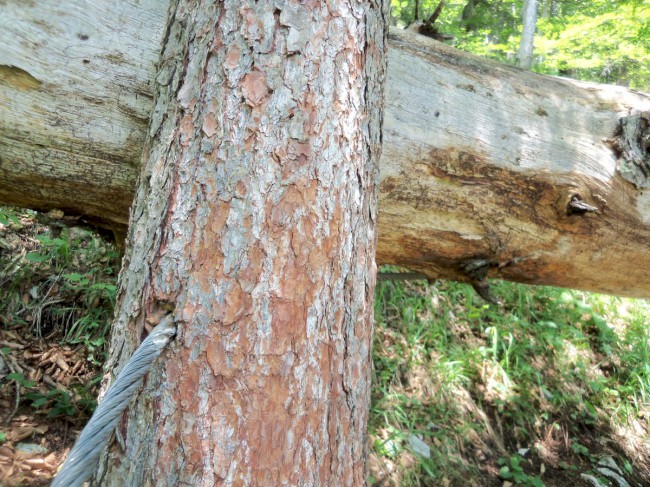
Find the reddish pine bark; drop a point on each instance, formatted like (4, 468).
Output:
(254, 224)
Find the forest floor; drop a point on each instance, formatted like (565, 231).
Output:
(57, 291)
(550, 389)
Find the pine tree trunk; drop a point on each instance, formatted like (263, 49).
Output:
(254, 224)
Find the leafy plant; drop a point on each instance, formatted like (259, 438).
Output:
(511, 469)
(21, 380)
(56, 250)
(582, 450)
(57, 402)
(9, 217)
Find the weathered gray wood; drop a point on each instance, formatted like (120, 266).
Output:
(480, 160)
(76, 91)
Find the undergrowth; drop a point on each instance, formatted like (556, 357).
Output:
(58, 283)
(539, 388)
(533, 392)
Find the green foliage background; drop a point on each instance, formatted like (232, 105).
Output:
(606, 41)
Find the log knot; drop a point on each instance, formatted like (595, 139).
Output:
(477, 270)
(632, 147)
(577, 206)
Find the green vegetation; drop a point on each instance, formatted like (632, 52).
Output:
(462, 390)
(533, 392)
(607, 41)
(519, 392)
(57, 283)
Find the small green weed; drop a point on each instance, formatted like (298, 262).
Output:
(10, 218)
(56, 402)
(511, 469)
(53, 250)
(21, 380)
(59, 403)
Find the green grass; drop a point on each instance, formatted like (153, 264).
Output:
(550, 369)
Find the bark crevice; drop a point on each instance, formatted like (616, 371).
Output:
(632, 147)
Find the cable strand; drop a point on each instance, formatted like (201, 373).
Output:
(82, 460)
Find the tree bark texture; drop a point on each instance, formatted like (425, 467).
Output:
(254, 224)
(480, 161)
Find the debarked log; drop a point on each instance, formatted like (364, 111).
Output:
(487, 170)
(491, 170)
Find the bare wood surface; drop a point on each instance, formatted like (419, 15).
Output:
(76, 88)
(491, 170)
(486, 169)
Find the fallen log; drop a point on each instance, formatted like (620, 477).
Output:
(487, 170)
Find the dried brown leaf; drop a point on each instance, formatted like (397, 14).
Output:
(63, 365)
(21, 433)
(6, 451)
(35, 462)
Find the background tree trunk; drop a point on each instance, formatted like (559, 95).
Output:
(480, 160)
(529, 22)
(254, 224)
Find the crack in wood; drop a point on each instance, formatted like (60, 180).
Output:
(18, 78)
